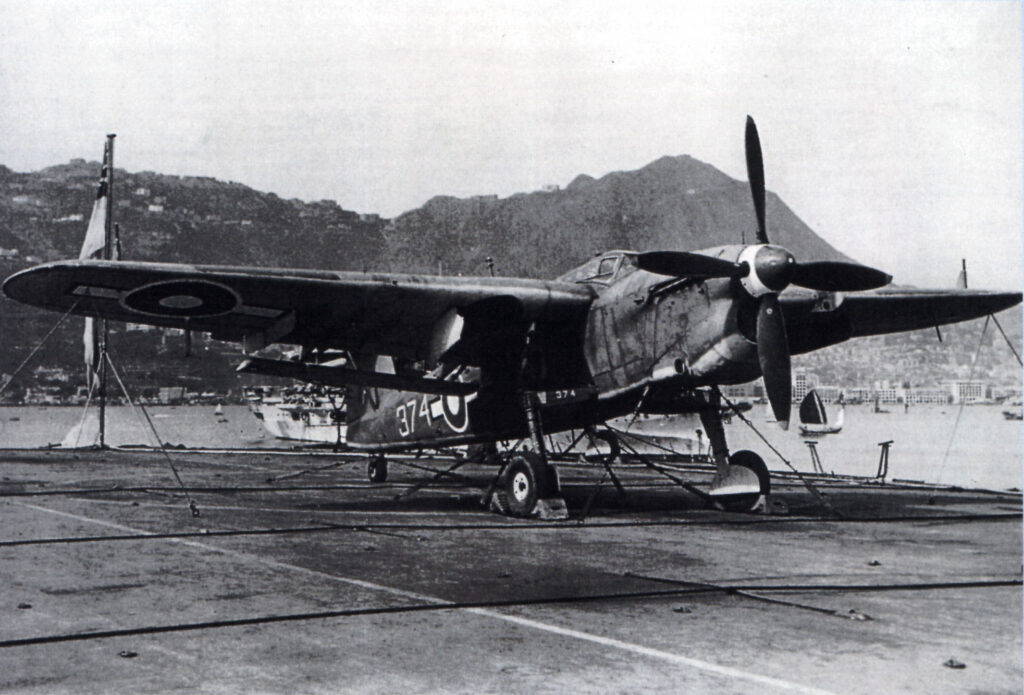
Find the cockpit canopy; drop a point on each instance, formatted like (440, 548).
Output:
(604, 268)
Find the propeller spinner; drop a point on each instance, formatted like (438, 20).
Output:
(764, 270)
(773, 269)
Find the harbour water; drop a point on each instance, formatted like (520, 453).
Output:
(971, 447)
(192, 426)
(981, 450)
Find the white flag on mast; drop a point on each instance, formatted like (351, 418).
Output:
(93, 247)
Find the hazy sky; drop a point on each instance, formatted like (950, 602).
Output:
(892, 128)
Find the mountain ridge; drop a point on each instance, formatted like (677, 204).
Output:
(673, 203)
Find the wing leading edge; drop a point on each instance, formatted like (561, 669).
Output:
(392, 314)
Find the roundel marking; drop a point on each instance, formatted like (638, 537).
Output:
(182, 298)
(181, 301)
(456, 414)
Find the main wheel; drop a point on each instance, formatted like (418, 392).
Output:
(755, 464)
(527, 479)
(377, 469)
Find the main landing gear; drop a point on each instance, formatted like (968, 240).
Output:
(528, 485)
(741, 482)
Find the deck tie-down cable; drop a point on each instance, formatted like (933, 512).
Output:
(732, 591)
(193, 508)
(445, 605)
(531, 527)
(689, 487)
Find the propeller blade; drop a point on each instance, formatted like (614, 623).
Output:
(755, 174)
(683, 264)
(773, 356)
(836, 276)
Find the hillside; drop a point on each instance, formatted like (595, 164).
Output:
(672, 203)
(183, 219)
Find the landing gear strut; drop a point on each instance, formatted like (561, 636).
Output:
(529, 486)
(741, 482)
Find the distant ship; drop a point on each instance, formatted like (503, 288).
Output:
(307, 415)
(814, 418)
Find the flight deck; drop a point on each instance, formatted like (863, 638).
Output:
(294, 574)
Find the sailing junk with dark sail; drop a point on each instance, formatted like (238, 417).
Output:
(814, 418)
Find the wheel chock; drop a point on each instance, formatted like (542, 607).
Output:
(551, 509)
(545, 509)
(770, 505)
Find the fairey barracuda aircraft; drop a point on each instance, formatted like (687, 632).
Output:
(504, 358)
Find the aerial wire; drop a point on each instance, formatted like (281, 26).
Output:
(38, 346)
(963, 401)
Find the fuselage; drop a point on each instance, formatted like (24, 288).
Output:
(643, 328)
(643, 333)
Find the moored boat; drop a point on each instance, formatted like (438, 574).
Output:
(310, 415)
(1015, 410)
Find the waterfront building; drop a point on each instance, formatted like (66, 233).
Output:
(802, 383)
(859, 394)
(928, 396)
(889, 394)
(744, 392)
(829, 393)
(966, 390)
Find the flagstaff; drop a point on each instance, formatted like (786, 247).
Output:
(108, 227)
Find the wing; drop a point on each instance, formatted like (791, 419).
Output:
(812, 321)
(391, 314)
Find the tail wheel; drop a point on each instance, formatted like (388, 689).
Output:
(527, 479)
(377, 469)
(747, 502)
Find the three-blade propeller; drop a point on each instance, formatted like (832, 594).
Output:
(766, 271)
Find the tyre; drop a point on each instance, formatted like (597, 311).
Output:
(527, 479)
(377, 469)
(747, 502)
